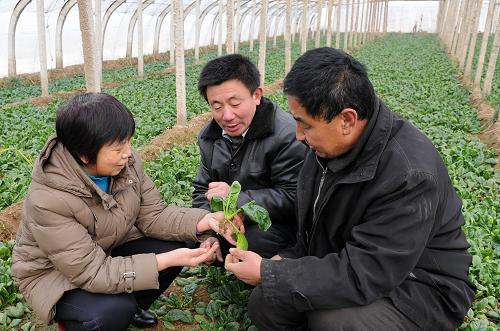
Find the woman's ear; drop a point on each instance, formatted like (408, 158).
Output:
(84, 159)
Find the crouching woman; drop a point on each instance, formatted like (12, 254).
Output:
(97, 244)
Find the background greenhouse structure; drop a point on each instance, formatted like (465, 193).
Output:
(434, 62)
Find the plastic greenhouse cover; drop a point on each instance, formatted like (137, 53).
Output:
(403, 16)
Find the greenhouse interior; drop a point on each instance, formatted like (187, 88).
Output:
(433, 66)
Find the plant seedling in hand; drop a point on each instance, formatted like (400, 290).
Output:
(251, 210)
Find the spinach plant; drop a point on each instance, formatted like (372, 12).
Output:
(251, 210)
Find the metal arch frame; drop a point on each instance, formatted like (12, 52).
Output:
(59, 29)
(14, 18)
(105, 19)
(161, 18)
(242, 17)
(159, 22)
(205, 12)
(131, 26)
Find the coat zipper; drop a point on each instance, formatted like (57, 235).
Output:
(321, 182)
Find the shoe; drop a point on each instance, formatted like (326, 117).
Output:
(144, 319)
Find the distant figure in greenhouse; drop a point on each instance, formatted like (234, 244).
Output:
(379, 244)
(97, 244)
(250, 140)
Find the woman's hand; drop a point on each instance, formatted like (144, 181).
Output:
(213, 221)
(208, 244)
(186, 257)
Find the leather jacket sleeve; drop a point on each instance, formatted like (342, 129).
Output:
(376, 259)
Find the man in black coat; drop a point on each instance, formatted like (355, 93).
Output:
(250, 140)
(379, 244)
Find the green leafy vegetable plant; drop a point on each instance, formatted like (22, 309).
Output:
(251, 210)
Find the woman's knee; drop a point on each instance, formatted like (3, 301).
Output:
(116, 315)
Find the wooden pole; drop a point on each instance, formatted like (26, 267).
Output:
(319, 9)
(346, 27)
(262, 41)
(197, 32)
(484, 43)
(493, 60)
(98, 40)
(219, 44)
(337, 35)
(252, 22)
(180, 76)
(472, 45)
(329, 29)
(237, 27)
(303, 29)
(42, 49)
(89, 48)
(288, 44)
(140, 43)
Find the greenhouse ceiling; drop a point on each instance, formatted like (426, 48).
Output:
(18, 26)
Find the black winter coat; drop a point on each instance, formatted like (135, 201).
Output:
(387, 223)
(267, 163)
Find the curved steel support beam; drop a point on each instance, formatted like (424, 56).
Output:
(159, 23)
(59, 28)
(131, 26)
(14, 18)
(111, 9)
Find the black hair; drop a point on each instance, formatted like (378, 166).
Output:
(327, 80)
(224, 68)
(91, 120)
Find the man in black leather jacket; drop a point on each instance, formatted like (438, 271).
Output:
(380, 244)
(250, 140)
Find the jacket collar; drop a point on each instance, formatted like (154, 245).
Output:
(57, 168)
(262, 123)
(360, 163)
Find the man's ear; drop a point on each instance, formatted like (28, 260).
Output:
(257, 95)
(349, 119)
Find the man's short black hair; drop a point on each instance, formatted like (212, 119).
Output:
(91, 120)
(326, 80)
(224, 68)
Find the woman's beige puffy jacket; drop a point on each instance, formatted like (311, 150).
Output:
(69, 227)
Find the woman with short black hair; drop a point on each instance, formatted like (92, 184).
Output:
(97, 244)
